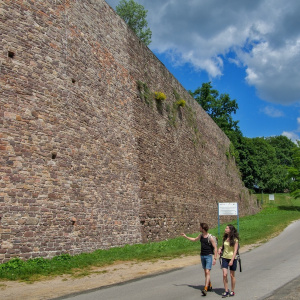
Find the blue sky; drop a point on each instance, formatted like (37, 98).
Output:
(248, 49)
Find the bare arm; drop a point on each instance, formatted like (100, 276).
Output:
(215, 250)
(236, 245)
(190, 238)
(215, 247)
(220, 250)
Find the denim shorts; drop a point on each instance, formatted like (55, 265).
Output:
(206, 261)
(225, 264)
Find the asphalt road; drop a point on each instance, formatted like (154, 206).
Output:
(270, 271)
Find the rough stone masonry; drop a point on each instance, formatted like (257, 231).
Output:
(89, 158)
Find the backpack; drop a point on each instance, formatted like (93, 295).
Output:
(214, 238)
(238, 257)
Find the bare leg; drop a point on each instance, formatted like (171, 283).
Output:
(225, 280)
(232, 276)
(207, 277)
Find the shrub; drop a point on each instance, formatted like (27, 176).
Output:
(180, 102)
(159, 96)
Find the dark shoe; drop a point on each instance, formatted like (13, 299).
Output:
(231, 294)
(204, 292)
(225, 294)
(209, 289)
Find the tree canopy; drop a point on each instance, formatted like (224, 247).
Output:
(219, 107)
(263, 162)
(294, 172)
(260, 164)
(134, 15)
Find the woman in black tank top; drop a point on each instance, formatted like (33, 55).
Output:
(206, 246)
(208, 254)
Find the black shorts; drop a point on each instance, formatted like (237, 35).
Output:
(225, 264)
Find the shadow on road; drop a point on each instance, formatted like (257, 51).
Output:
(217, 291)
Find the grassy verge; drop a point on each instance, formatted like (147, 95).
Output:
(272, 219)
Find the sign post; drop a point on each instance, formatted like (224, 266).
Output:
(228, 209)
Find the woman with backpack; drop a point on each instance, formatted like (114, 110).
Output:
(228, 253)
(208, 250)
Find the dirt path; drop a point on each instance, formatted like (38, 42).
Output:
(98, 277)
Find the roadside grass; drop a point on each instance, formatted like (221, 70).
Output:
(270, 221)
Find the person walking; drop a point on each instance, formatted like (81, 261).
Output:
(208, 254)
(228, 253)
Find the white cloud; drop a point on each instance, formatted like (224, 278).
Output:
(291, 135)
(275, 72)
(272, 112)
(264, 35)
(261, 36)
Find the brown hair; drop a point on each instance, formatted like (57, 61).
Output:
(232, 235)
(204, 226)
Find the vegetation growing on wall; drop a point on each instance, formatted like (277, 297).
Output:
(191, 118)
(145, 93)
(180, 103)
(172, 108)
(159, 96)
(231, 152)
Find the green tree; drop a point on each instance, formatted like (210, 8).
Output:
(260, 165)
(294, 172)
(284, 149)
(134, 15)
(262, 162)
(219, 107)
(248, 165)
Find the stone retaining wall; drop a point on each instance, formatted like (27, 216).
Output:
(89, 159)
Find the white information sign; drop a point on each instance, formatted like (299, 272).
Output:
(228, 209)
(271, 197)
